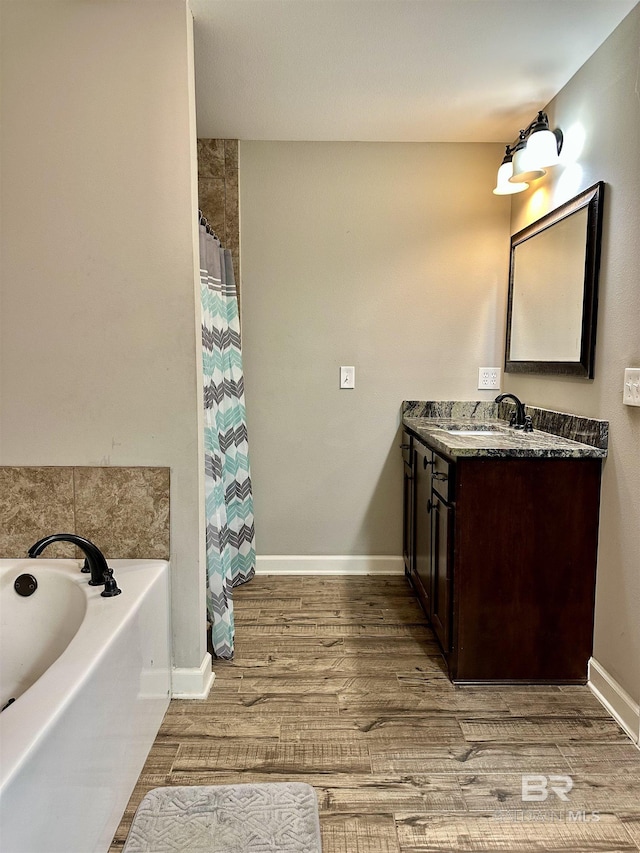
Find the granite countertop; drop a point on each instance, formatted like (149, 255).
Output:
(440, 424)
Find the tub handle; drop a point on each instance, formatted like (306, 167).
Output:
(110, 586)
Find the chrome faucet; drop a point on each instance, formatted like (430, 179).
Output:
(518, 420)
(94, 560)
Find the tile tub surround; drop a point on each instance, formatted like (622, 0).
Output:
(555, 435)
(218, 196)
(33, 503)
(124, 510)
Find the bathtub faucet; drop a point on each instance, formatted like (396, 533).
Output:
(95, 560)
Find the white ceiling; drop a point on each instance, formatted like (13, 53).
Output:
(388, 70)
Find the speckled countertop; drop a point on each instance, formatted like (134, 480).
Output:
(442, 424)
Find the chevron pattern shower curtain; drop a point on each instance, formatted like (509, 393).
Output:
(228, 496)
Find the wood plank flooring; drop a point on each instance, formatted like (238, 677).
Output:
(338, 682)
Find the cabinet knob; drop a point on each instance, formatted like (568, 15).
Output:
(438, 476)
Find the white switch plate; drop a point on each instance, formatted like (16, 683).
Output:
(631, 393)
(489, 378)
(347, 377)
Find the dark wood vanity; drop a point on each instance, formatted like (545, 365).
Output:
(501, 551)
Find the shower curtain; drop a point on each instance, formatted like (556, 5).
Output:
(228, 496)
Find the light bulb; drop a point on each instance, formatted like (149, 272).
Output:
(523, 167)
(503, 186)
(542, 149)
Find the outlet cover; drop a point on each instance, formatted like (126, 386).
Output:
(489, 379)
(631, 393)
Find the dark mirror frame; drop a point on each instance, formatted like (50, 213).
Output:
(591, 198)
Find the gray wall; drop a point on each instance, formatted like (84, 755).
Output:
(99, 352)
(599, 112)
(389, 257)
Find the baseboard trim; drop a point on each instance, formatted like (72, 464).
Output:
(328, 565)
(615, 699)
(192, 682)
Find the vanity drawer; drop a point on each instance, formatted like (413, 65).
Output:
(444, 477)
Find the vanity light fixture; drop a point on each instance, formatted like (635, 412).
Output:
(503, 184)
(536, 149)
(525, 167)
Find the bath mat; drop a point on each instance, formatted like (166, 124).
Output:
(277, 817)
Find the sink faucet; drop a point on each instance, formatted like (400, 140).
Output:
(518, 419)
(95, 560)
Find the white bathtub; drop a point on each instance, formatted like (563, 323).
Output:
(73, 743)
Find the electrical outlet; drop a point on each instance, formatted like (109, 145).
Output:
(631, 393)
(489, 379)
(347, 377)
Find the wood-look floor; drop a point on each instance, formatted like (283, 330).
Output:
(338, 682)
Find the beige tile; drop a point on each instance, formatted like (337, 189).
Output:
(612, 758)
(211, 158)
(35, 502)
(201, 726)
(376, 731)
(320, 684)
(145, 783)
(373, 796)
(327, 631)
(491, 832)
(590, 793)
(364, 714)
(631, 823)
(231, 157)
(232, 211)
(265, 588)
(540, 701)
(273, 705)
(332, 586)
(160, 759)
(284, 663)
(211, 201)
(125, 511)
(318, 779)
(558, 729)
(298, 617)
(235, 254)
(283, 604)
(279, 757)
(358, 833)
(389, 645)
(472, 758)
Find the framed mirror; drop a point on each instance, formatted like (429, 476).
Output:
(553, 290)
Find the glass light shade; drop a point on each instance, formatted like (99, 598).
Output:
(524, 169)
(542, 148)
(503, 187)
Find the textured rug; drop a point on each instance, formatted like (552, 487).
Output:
(279, 817)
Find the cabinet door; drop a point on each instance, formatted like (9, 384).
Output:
(408, 514)
(422, 537)
(442, 569)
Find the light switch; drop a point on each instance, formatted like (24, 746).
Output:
(631, 393)
(347, 377)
